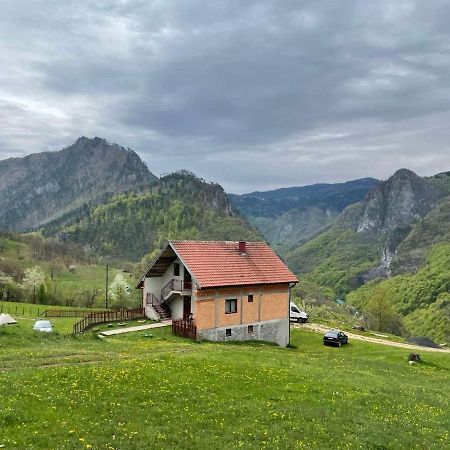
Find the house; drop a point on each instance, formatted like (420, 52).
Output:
(229, 290)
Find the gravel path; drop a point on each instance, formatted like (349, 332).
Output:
(323, 329)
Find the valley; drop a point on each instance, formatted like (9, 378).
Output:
(353, 242)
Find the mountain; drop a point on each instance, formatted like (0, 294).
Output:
(361, 243)
(42, 187)
(179, 206)
(394, 245)
(289, 216)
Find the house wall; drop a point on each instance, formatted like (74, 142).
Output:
(268, 313)
(176, 305)
(153, 285)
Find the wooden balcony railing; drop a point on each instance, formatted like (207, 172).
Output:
(175, 286)
(151, 299)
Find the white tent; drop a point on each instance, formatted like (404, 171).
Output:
(6, 319)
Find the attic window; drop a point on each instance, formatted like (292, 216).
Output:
(230, 306)
(250, 298)
(176, 270)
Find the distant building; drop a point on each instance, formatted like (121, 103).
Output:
(227, 290)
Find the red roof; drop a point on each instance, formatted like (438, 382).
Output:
(220, 263)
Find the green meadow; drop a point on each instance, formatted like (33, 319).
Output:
(152, 390)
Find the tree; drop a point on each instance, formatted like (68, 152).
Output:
(382, 316)
(119, 292)
(87, 297)
(33, 280)
(9, 290)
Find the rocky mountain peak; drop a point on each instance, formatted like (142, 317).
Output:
(41, 187)
(398, 202)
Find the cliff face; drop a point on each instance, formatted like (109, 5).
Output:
(42, 187)
(379, 236)
(398, 202)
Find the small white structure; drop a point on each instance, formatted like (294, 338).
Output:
(6, 319)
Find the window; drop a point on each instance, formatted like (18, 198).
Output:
(250, 298)
(294, 309)
(176, 270)
(227, 332)
(230, 306)
(250, 328)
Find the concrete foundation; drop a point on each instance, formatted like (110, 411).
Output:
(276, 331)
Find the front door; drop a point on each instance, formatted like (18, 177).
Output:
(186, 307)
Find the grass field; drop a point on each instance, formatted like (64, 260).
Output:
(153, 390)
(33, 310)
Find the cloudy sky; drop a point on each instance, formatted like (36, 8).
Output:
(252, 94)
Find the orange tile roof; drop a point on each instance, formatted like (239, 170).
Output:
(219, 263)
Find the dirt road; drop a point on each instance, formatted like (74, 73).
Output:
(323, 329)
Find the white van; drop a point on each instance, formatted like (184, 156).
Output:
(296, 315)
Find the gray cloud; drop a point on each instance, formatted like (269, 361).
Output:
(255, 94)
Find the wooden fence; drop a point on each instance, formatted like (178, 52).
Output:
(69, 312)
(107, 316)
(184, 328)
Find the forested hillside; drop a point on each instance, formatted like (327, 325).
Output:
(180, 206)
(362, 243)
(401, 227)
(422, 299)
(289, 216)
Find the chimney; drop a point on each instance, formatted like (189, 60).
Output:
(242, 247)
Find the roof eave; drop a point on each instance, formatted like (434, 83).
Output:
(142, 278)
(172, 245)
(218, 286)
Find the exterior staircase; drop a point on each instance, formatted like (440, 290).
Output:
(163, 311)
(155, 309)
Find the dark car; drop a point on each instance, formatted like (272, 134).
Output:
(335, 337)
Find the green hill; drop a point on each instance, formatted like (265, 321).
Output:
(69, 275)
(401, 227)
(433, 229)
(180, 206)
(422, 299)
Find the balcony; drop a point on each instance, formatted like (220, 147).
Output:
(176, 287)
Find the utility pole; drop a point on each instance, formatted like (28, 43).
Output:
(106, 291)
